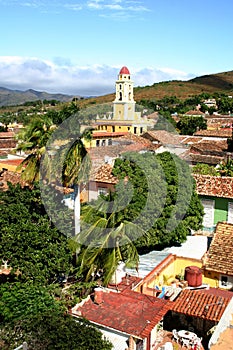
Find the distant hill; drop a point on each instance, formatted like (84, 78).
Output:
(10, 97)
(220, 82)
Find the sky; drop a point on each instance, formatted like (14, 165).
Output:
(78, 47)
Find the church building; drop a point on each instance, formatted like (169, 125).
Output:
(124, 119)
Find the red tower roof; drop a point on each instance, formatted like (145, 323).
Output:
(124, 70)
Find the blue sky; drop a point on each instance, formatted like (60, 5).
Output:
(78, 46)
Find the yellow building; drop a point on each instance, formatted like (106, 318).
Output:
(124, 120)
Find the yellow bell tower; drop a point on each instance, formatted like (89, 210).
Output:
(124, 104)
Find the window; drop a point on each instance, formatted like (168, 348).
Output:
(109, 142)
(102, 190)
(141, 130)
(208, 220)
(97, 143)
(135, 130)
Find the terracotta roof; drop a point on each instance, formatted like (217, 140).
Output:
(6, 135)
(214, 186)
(128, 282)
(190, 139)
(214, 133)
(124, 70)
(220, 254)
(129, 312)
(194, 112)
(14, 162)
(162, 136)
(11, 176)
(202, 158)
(104, 174)
(210, 146)
(198, 303)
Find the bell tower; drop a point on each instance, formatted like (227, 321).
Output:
(124, 104)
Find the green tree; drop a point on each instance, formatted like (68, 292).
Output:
(32, 142)
(30, 313)
(106, 238)
(189, 125)
(164, 201)
(204, 169)
(28, 238)
(225, 168)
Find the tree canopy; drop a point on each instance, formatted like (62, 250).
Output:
(33, 303)
(164, 200)
(157, 195)
(28, 238)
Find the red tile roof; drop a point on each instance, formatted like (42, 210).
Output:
(129, 312)
(210, 146)
(128, 282)
(194, 112)
(104, 174)
(199, 303)
(215, 186)
(13, 177)
(220, 254)
(6, 135)
(162, 136)
(214, 133)
(14, 162)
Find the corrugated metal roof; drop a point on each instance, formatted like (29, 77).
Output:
(118, 341)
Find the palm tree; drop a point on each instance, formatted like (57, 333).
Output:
(32, 141)
(107, 239)
(66, 165)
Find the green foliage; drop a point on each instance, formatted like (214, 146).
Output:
(225, 168)
(52, 330)
(22, 300)
(28, 239)
(164, 201)
(107, 239)
(189, 125)
(204, 169)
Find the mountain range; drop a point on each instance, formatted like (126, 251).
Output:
(220, 82)
(10, 97)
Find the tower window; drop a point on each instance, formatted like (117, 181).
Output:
(120, 87)
(120, 98)
(135, 130)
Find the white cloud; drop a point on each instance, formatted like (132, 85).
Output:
(117, 5)
(61, 76)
